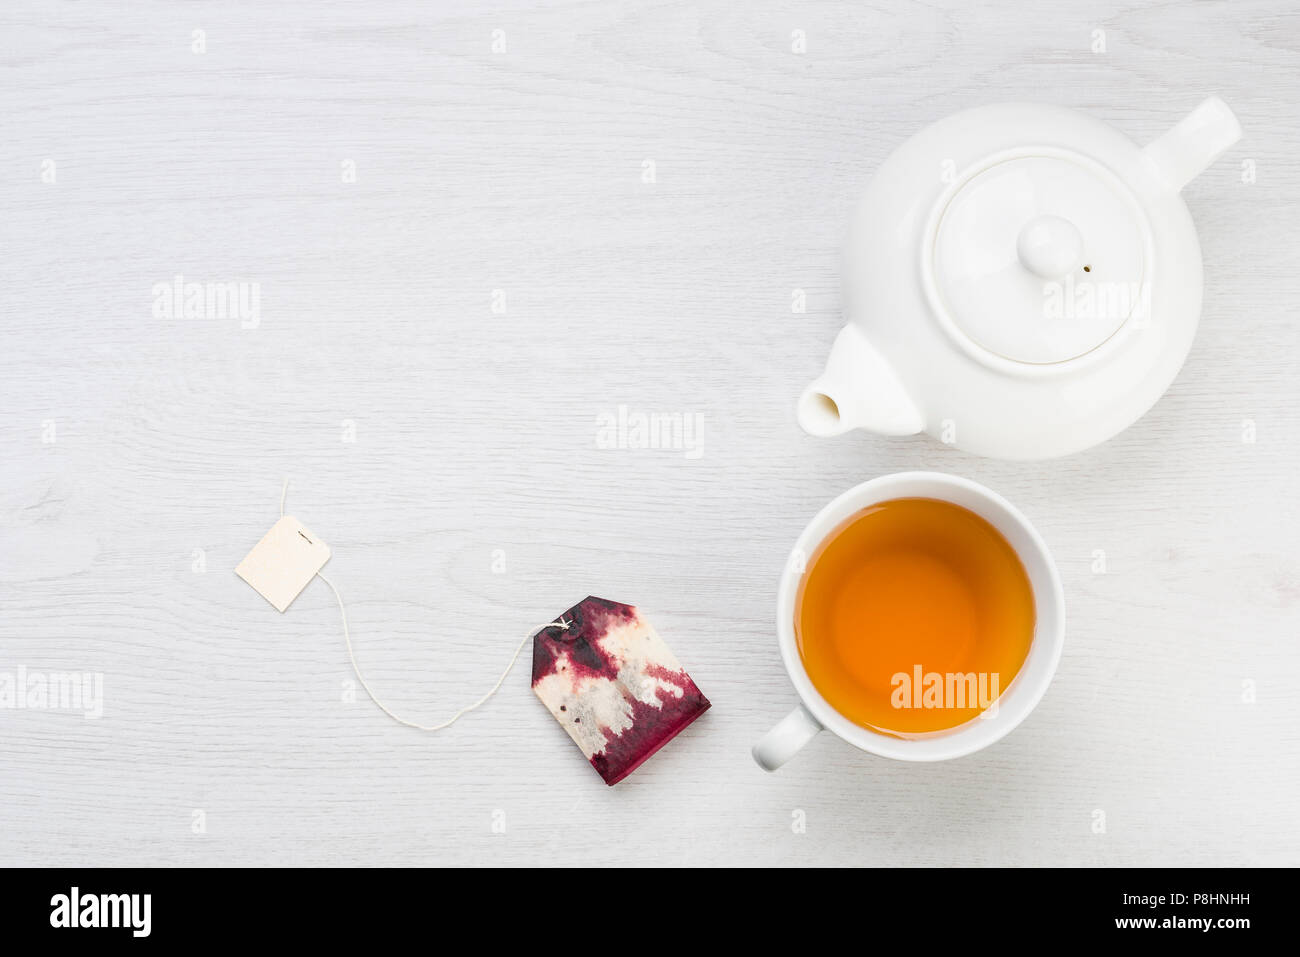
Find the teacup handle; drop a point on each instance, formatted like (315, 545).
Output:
(785, 740)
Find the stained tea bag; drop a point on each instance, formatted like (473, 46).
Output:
(613, 684)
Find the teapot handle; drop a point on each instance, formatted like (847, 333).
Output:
(1194, 143)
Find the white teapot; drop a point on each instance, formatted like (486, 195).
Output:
(1023, 281)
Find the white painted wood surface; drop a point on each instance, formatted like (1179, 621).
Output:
(521, 170)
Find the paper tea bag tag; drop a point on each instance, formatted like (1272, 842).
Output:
(283, 562)
(613, 684)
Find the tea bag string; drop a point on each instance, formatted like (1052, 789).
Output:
(347, 638)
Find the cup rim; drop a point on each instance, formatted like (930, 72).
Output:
(1018, 699)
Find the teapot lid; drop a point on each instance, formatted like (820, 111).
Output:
(1039, 258)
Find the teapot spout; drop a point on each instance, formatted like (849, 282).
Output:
(1185, 152)
(858, 390)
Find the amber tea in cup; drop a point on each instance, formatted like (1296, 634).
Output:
(913, 616)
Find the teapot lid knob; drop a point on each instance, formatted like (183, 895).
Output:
(1050, 247)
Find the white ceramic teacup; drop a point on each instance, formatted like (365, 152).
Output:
(1016, 701)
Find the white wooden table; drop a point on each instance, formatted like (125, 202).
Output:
(463, 261)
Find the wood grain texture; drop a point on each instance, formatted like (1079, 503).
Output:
(521, 171)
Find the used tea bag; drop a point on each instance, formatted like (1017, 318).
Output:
(613, 684)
